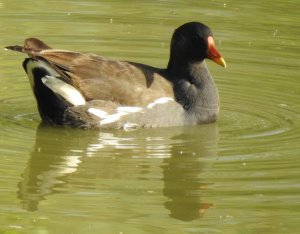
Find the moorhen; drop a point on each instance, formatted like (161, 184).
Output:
(90, 91)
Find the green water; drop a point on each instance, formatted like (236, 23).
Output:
(240, 175)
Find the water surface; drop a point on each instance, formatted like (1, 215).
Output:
(239, 175)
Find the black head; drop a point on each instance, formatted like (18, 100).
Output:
(193, 42)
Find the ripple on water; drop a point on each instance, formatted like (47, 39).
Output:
(258, 118)
(18, 123)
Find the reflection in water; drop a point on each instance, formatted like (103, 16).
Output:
(183, 187)
(183, 184)
(185, 153)
(54, 157)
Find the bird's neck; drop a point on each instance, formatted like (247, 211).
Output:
(195, 89)
(177, 66)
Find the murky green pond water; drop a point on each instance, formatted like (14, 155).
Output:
(240, 175)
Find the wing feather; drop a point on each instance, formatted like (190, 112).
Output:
(99, 78)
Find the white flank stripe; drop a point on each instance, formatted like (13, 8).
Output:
(162, 100)
(100, 113)
(129, 109)
(112, 118)
(105, 118)
(65, 90)
(121, 111)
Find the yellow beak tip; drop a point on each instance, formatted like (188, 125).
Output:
(222, 62)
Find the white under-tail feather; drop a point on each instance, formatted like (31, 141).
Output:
(67, 91)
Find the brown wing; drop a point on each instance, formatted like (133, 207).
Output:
(104, 79)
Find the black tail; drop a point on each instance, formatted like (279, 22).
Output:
(51, 106)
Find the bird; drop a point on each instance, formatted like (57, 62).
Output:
(85, 90)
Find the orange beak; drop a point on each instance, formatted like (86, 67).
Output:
(213, 53)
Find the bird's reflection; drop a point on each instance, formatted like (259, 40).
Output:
(53, 158)
(59, 153)
(183, 184)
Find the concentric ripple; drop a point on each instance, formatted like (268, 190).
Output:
(259, 109)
